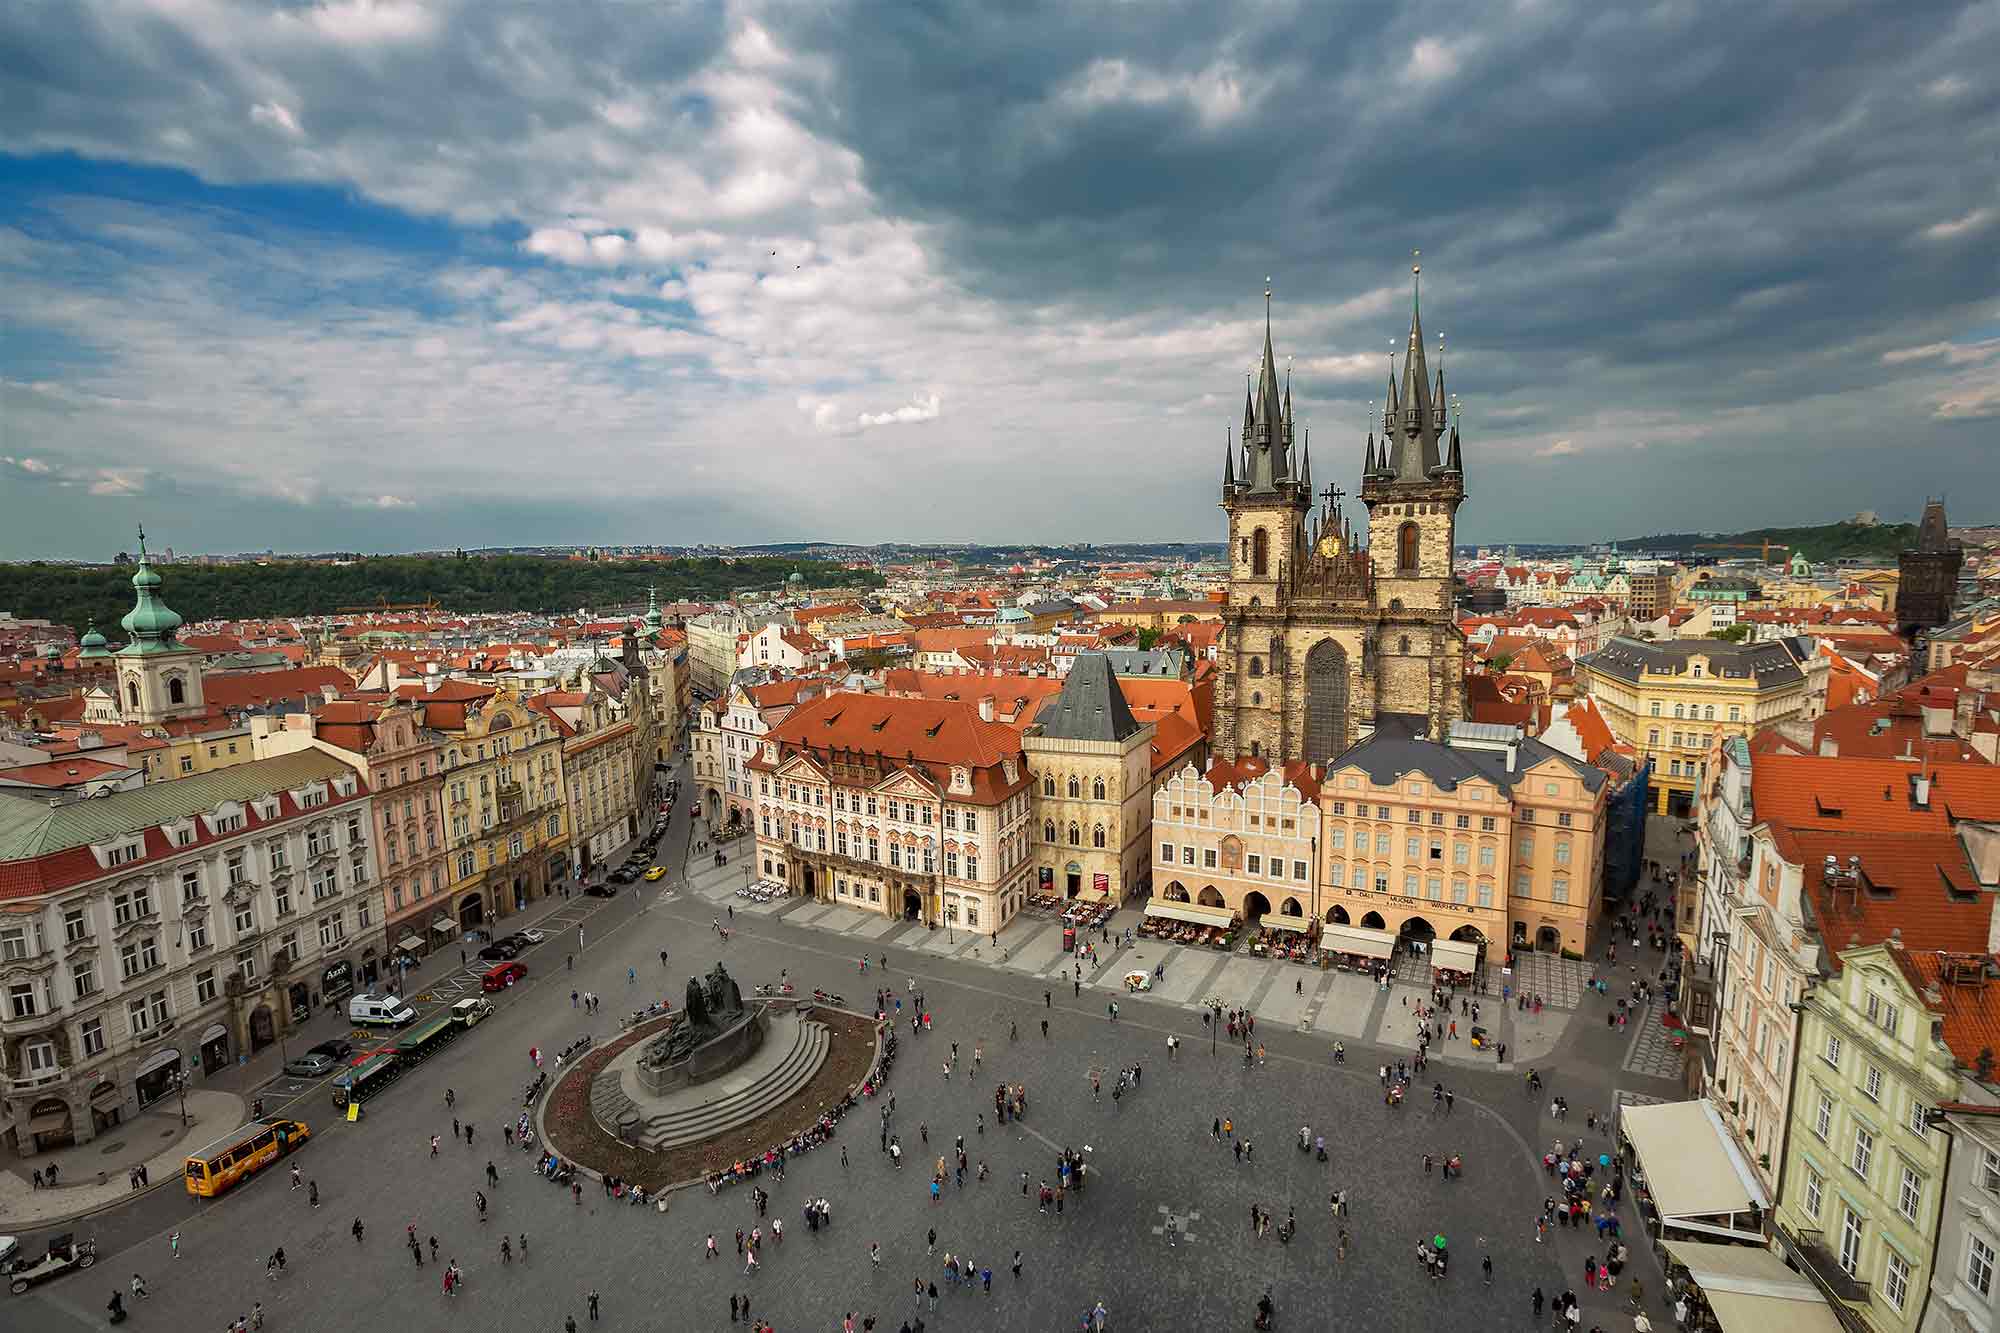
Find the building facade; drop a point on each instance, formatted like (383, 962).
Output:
(1093, 803)
(1237, 841)
(1864, 1175)
(156, 935)
(1321, 636)
(505, 802)
(1671, 700)
(911, 808)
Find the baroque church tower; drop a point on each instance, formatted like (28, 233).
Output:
(1325, 640)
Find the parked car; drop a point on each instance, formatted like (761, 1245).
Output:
(531, 935)
(657, 872)
(311, 1064)
(337, 1048)
(65, 1252)
(500, 951)
(471, 1011)
(502, 976)
(602, 890)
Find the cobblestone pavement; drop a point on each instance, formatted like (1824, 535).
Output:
(1652, 1052)
(1148, 1151)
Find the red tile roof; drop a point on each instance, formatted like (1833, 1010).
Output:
(930, 736)
(1968, 998)
(1224, 773)
(1869, 795)
(261, 689)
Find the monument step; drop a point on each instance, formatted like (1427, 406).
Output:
(782, 1082)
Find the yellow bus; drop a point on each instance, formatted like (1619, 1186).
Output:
(246, 1152)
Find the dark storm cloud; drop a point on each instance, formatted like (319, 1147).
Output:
(1701, 199)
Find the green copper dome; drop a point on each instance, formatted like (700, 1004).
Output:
(92, 645)
(150, 622)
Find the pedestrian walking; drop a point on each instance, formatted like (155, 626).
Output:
(312, 1193)
(591, 1300)
(139, 1287)
(875, 1247)
(356, 1229)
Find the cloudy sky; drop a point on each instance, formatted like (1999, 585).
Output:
(387, 275)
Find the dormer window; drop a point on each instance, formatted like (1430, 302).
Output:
(124, 853)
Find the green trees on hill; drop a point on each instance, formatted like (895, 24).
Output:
(74, 596)
(1828, 541)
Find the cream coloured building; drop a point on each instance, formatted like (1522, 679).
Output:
(1093, 806)
(1235, 841)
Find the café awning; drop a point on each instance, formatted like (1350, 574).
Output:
(445, 928)
(1456, 955)
(1357, 940)
(215, 1032)
(157, 1060)
(409, 944)
(1191, 912)
(50, 1123)
(1751, 1290)
(1277, 922)
(1698, 1178)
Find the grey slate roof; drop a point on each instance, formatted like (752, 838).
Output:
(1167, 663)
(29, 829)
(1770, 664)
(1387, 756)
(1091, 707)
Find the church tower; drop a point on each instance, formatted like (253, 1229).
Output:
(159, 677)
(1323, 640)
(1267, 504)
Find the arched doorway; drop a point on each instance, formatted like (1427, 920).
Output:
(263, 1030)
(50, 1122)
(471, 911)
(106, 1106)
(1211, 897)
(1372, 921)
(1469, 935)
(913, 905)
(1290, 907)
(807, 881)
(1255, 906)
(157, 1075)
(1177, 892)
(1417, 929)
(1548, 940)
(1073, 872)
(1336, 915)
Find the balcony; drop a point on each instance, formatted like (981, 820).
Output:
(1810, 1250)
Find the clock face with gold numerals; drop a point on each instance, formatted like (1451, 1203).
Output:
(1329, 545)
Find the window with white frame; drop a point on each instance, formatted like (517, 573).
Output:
(1850, 1243)
(40, 1057)
(1979, 1265)
(93, 1036)
(1910, 1194)
(1814, 1192)
(1896, 1280)
(83, 977)
(1871, 1084)
(1863, 1152)
(1831, 1051)
(204, 986)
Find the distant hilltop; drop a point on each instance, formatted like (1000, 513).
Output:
(1846, 540)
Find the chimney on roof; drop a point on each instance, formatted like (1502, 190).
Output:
(1829, 748)
(430, 677)
(1920, 791)
(986, 708)
(1896, 938)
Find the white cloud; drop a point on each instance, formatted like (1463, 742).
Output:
(1955, 354)
(32, 466)
(1977, 220)
(925, 407)
(393, 502)
(119, 482)
(1217, 94)
(1559, 449)
(1432, 59)
(829, 417)
(273, 116)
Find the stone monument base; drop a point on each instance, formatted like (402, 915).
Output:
(713, 1058)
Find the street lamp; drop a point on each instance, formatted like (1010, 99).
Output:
(1214, 1023)
(181, 1087)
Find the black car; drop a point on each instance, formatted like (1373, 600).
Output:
(601, 890)
(500, 951)
(335, 1049)
(517, 940)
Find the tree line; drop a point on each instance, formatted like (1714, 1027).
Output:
(76, 595)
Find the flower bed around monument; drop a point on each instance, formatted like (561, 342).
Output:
(571, 1131)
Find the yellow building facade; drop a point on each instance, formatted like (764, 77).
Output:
(505, 807)
(1672, 700)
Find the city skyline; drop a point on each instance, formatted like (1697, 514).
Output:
(386, 277)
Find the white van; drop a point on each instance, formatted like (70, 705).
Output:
(387, 1010)
(471, 1011)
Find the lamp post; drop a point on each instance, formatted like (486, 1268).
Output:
(181, 1087)
(1214, 1023)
